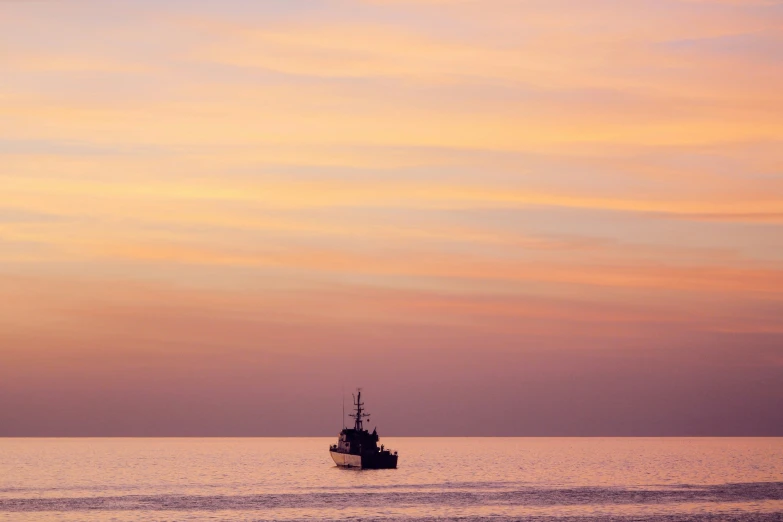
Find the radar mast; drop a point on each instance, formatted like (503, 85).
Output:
(359, 415)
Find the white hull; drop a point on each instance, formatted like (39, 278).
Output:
(346, 460)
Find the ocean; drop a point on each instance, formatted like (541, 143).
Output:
(465, 479)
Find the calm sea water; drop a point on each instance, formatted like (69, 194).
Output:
(438, 479)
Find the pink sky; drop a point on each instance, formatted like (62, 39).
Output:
(499, 218)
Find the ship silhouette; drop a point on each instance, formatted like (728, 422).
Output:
(357, 447)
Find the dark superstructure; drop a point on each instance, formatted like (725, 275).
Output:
(358, 448)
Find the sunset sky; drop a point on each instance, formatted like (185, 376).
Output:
(530, 217)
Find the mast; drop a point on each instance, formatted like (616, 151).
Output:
(359, 415)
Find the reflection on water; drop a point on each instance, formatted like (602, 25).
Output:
(438, 479)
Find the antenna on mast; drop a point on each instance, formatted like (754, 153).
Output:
(359, 415)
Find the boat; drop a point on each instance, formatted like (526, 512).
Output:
(357, 447)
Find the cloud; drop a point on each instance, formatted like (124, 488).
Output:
(252, 185)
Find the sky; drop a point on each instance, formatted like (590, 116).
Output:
(528, 218)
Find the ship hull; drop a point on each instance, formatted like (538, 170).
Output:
(346, 460)
(370, 461)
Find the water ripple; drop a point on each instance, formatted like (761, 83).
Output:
(526, 496)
